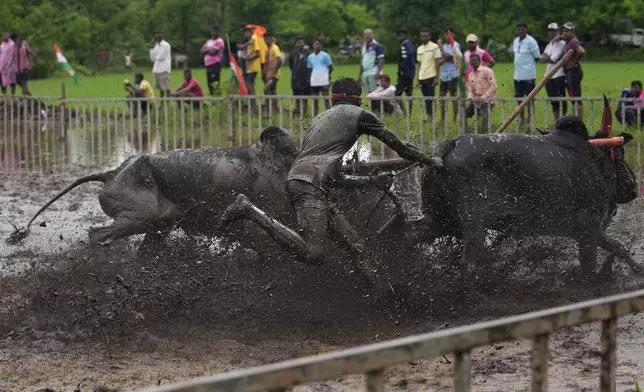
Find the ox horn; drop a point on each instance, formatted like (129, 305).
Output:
(606, 127)
(617, 141)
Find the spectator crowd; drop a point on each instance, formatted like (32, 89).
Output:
(428, 66)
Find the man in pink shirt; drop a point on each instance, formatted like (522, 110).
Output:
(472, 42)
(189, 88)
(8, 69)
(213, 50)
(482, 90)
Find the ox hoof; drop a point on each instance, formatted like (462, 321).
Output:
(235, 210)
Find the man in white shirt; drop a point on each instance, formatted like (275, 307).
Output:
(161, 56)
(556, 86)
(384, 97)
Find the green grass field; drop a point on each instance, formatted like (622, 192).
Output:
(599, 78)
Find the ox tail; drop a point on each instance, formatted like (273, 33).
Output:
(21, 233)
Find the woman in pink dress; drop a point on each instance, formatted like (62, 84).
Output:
(7, 65)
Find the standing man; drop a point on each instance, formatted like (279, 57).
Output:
(449, 74)
(406, 66)
(481, 90)
(252, 59)
(300, 74)
(213, 50)
(525, 51)
(472, 42)
(574, 73)
(321, 68)
(273, 62)
(428, 57)
(556, 86)
(373, 59)
(7, 65)
(22, 59)
(161, 56)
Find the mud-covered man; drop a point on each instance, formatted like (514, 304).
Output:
(316, 170)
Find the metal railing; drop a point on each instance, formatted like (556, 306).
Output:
(372, 360)
(40, 133)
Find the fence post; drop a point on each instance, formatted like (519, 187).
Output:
(229, 115)
(376, 380)
(540, 363)
(462, 368)
(608, 355)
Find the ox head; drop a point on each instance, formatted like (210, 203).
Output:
(280, 140)
(626, 189)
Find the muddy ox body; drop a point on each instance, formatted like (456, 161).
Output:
(153, 194)
(523, 186)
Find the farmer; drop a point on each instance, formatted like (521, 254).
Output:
(330, 135)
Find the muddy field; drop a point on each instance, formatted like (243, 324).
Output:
(72, 316)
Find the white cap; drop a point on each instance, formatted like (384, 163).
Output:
(553, 26)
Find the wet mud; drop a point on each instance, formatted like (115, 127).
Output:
(107, 318)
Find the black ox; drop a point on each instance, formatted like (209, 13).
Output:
(519, 185)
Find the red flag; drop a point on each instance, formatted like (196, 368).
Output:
(237, 75)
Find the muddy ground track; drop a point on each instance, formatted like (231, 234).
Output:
(113, 296)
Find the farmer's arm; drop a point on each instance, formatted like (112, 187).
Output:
(369, 124)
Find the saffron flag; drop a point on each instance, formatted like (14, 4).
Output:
(459, 59)
(64, 65)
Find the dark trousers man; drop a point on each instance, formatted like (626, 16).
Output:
(556, 88)
(405, 85)
(521, 89)
(428, 88)
(213, 75)
(300, 89)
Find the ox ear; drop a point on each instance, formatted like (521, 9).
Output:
(280, 139)
(627, 137)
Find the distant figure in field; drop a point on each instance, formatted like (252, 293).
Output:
(7, 65)
(161, 56)
(22, 63)
(300, 74)
(128, 60)
(189, 88)
(574, 72)
(384, 97)
(627, 111)
(556, 86)
(213, 50)
(321, 68)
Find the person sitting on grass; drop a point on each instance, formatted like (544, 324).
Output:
(189, 88)
(384, 97)
(140, 89)
(627, 110)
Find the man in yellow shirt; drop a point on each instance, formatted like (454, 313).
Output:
(428, 55)
(273, 62)
(253, 60)
(140, 89)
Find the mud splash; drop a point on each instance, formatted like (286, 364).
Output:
(113, 319)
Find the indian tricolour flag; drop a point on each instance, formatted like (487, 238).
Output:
(238, 78)
(64, 65)
(459, 59)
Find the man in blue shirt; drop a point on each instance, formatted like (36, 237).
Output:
(406, 66)
(627, 111)
(321, 66)
(525, 51)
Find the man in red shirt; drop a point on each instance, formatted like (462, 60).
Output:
(189, 87)
(574, 73)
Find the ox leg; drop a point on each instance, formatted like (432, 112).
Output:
(152, 242)
(617, 249)
(473, 248)
(588, 256)
(121, 228)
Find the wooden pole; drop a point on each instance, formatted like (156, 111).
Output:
(535, 90)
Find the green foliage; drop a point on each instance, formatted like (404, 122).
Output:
(83, 28)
